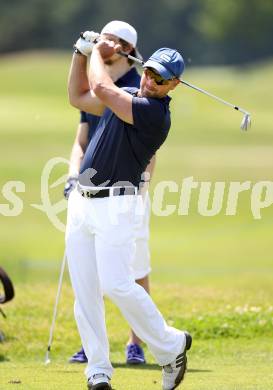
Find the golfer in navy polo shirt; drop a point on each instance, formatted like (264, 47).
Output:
(124, 74)
(100, 236)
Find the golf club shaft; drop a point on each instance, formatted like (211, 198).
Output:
(192, 86)
(214, 96)
(131, 57)
(56, 307)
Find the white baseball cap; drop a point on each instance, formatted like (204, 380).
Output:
(122, 30)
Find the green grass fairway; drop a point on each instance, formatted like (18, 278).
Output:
(211, 275)
(208, 370)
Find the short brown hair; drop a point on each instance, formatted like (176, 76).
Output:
(125, 45)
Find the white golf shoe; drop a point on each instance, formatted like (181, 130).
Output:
(173, 373)
(99, 382)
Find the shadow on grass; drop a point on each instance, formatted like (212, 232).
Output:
(197, 370)
(152, 367)
(64, 371)
(147, 366)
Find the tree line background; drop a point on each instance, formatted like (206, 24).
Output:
(205, 31)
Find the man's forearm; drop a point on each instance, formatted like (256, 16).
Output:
(148, 176)
(79, 148)
(98, 75)
(78, 83)
(151, 166)
(76, 157)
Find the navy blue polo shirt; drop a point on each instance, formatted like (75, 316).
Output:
(130, 79)
(120, 152)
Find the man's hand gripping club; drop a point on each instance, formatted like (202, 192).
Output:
(86, 42)
(107, 48)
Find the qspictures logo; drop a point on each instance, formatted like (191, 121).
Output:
(15, 207)
(212, 197)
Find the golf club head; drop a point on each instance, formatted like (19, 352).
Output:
(47, 361)
(246, 122)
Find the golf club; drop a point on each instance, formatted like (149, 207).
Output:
(246, 122)
(47, 357)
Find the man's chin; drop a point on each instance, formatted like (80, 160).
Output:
(149, 93)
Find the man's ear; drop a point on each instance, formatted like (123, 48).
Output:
(175, 83)
(128, 48)
(118, 47)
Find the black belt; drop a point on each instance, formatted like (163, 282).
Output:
(104, 193)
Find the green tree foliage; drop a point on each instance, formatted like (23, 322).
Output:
(240, 30)
(205, 31)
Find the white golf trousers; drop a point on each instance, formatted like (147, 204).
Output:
(100, 244)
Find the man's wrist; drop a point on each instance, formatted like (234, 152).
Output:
(77, 51)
